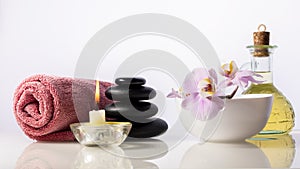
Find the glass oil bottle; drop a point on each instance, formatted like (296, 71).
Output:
(281, 119)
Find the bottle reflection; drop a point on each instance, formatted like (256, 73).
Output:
(280, 149)
(131, 154)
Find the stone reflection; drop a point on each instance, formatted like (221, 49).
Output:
(280, 149)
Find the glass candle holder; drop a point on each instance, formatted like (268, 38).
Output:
(106, 134)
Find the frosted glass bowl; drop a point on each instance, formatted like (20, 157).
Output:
(107, 134)
(243, 117)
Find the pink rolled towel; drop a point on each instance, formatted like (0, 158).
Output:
(45, 106)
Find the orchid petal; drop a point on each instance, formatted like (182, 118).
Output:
(174, 94)
(225, 70)
(200, 73)
(213, 75)
(206, 109)
(190, 84)
(246, 80)
(225, 67)
(201, 109)
(219, 93)
(225, 83)
(192, 79)
(216, 106)
(233, 68)
(245, 73)
(189, 102)
(201, 97)
(244, 77)
(222, 71)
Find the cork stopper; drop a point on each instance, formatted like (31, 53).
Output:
(260, 38)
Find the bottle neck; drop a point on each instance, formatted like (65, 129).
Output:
(263, 66)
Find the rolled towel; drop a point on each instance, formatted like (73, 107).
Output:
(45, 106)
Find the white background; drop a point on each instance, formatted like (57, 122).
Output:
(47, 36)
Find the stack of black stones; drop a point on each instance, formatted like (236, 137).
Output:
(130, 104)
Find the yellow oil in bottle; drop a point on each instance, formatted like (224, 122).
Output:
(281, 118)
(279, 149)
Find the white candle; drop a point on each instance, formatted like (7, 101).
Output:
(97, 117)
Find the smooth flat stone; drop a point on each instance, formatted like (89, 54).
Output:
(135, 119)
(152, 129)
(124, 93)
(131, 111)
(130, 81)
(139, 105)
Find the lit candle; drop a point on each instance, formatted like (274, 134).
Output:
(97, 116)
(97, 92)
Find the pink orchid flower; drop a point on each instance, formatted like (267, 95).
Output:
(200, 94)
(234, 76)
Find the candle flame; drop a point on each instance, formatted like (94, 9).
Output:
(97, 92)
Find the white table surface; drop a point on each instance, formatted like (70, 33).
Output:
(17, 151)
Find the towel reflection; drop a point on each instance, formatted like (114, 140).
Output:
(46, 155)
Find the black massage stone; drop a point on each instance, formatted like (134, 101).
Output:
(123, 93)
(131, 110)
(130, 81)
(133, 119)
(145, 130)
(129, 105)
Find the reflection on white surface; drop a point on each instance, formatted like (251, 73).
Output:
(145, 148)
(280, 149)
(95, 157)
(48, 156)
(224, 155)
(277, 152)
(132, 154)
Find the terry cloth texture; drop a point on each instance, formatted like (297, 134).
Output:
(44, 106)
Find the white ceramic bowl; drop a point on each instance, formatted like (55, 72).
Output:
(243, 117)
